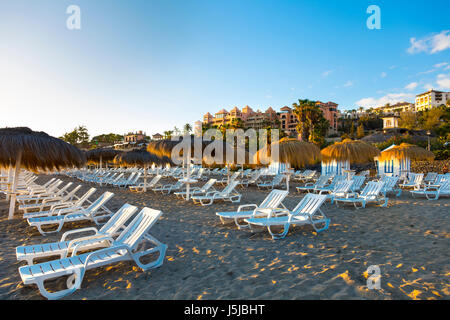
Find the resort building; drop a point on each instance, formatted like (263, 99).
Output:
(134, 137)
(247, 118)
(330, 113)
(396, 108)
(158, 136)
(431, 99)
(288, 121)
(285, 120)
(390, 122)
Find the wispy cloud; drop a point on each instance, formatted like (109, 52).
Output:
(348, 84)
(430, 44)
(383, 75)
(411, 86)
(443, 80)
(391, 98)
(392, 67)
(428, 86)
(327, 73)
(440, 65)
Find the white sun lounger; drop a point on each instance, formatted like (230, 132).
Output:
(270, 205)
(340, 189)
(433, 192)
(90, 213)
(207, 187)
(100, 238)
(128, 246)
(370, 193)
(227, 194)
(61, 208)
(277, 181)
(51, 201)
(152, 184)
(311, 186)
(306, 212)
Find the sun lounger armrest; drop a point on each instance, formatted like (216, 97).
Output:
(352, 195)
(71, 232)
(246, 206)
(78, 244)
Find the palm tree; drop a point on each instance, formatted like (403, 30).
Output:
(187, 128)
(168, 134)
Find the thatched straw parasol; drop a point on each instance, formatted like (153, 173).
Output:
(97, 156)
(407, 151)
(292, 151)
(141, 158)
(353, 151)
(24, 148)
(165, 147)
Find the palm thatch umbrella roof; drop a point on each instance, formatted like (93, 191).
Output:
(230, 155)
(104, 154)
(295, 152)
(37, 150)
(354, 151)
(406, 151)
(162, 148)
(141, 158)
(24, 148)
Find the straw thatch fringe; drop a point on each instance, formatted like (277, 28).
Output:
(39, 150)
(354, 151)
(140, 158)
(406, 150)
(295, 152)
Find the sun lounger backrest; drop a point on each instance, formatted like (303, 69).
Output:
(230, 187)
(72, 193)
(63, 189)
(358, 182)
(208, 185)
(86, 196)
(118, 219)
(372, 190)
(323, 179)
(343, 186)
(273, 199)
(431, 176)
(137, 228)
(309, 204)
(100, 202)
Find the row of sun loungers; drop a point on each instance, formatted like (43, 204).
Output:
(124, 236)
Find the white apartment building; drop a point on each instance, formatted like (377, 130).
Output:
(431, 99)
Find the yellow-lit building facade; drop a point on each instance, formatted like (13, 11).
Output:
(431, 99)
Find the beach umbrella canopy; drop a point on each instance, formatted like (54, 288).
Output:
(24, 148)
(37, 150)
(141, 158)
(407, 151)
(231, 155)
(97, 156)
(165, 147)
(353, 151)
(295, 152)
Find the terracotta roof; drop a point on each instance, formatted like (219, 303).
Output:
(235, 109)
(223, 111)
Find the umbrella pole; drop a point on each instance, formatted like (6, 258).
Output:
(12, 204)
(145, 179)
(10, 176)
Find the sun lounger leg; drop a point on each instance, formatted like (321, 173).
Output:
(281, 235)
(73, 284)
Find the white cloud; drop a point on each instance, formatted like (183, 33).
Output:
(440, 65)
(427, 72)
(447, 68)
(392, 67)
(383, 75)
(430, 44)
(411, 86)
(348, 84)
(327, 73)
(443, 80)
(391, 98)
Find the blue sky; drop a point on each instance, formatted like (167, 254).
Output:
(155, 64)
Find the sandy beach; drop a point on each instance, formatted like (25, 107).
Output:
(409, 241)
